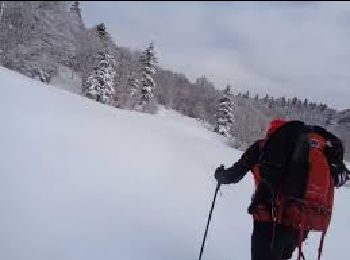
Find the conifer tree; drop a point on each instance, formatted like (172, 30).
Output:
(224, 116)
(132, 85)
(75, 8)
(100, 83)
(148, 61)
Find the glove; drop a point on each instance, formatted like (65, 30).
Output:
(219, 174)
(342, 175)
(259, 196)
(252, 208)
(253, 204)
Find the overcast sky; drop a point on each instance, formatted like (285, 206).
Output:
(286, 48)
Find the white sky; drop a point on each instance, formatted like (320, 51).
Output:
(292, 48)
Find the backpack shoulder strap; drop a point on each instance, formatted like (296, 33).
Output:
(278, 147)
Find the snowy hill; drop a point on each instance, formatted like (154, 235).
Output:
(81, 180)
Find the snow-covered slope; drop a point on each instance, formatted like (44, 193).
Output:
(81, 180)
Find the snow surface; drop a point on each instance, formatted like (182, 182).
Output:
(82, 180)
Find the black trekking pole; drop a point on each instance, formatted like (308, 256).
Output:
(209, 218)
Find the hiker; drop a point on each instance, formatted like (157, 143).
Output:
(280, 165)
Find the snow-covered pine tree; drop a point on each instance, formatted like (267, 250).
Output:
(100, 83)
(37, 38)
(101, 29)
(247, 94)
(132, 93)
(266, 99)
(224, 115)
(75, 8)
(148, 61)
(132, 85)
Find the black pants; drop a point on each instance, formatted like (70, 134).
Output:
(283, 246)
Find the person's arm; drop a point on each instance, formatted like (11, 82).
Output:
(239, 169)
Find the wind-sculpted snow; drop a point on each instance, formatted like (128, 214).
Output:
(82, 180)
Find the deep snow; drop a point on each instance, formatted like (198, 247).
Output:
(81, 180)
